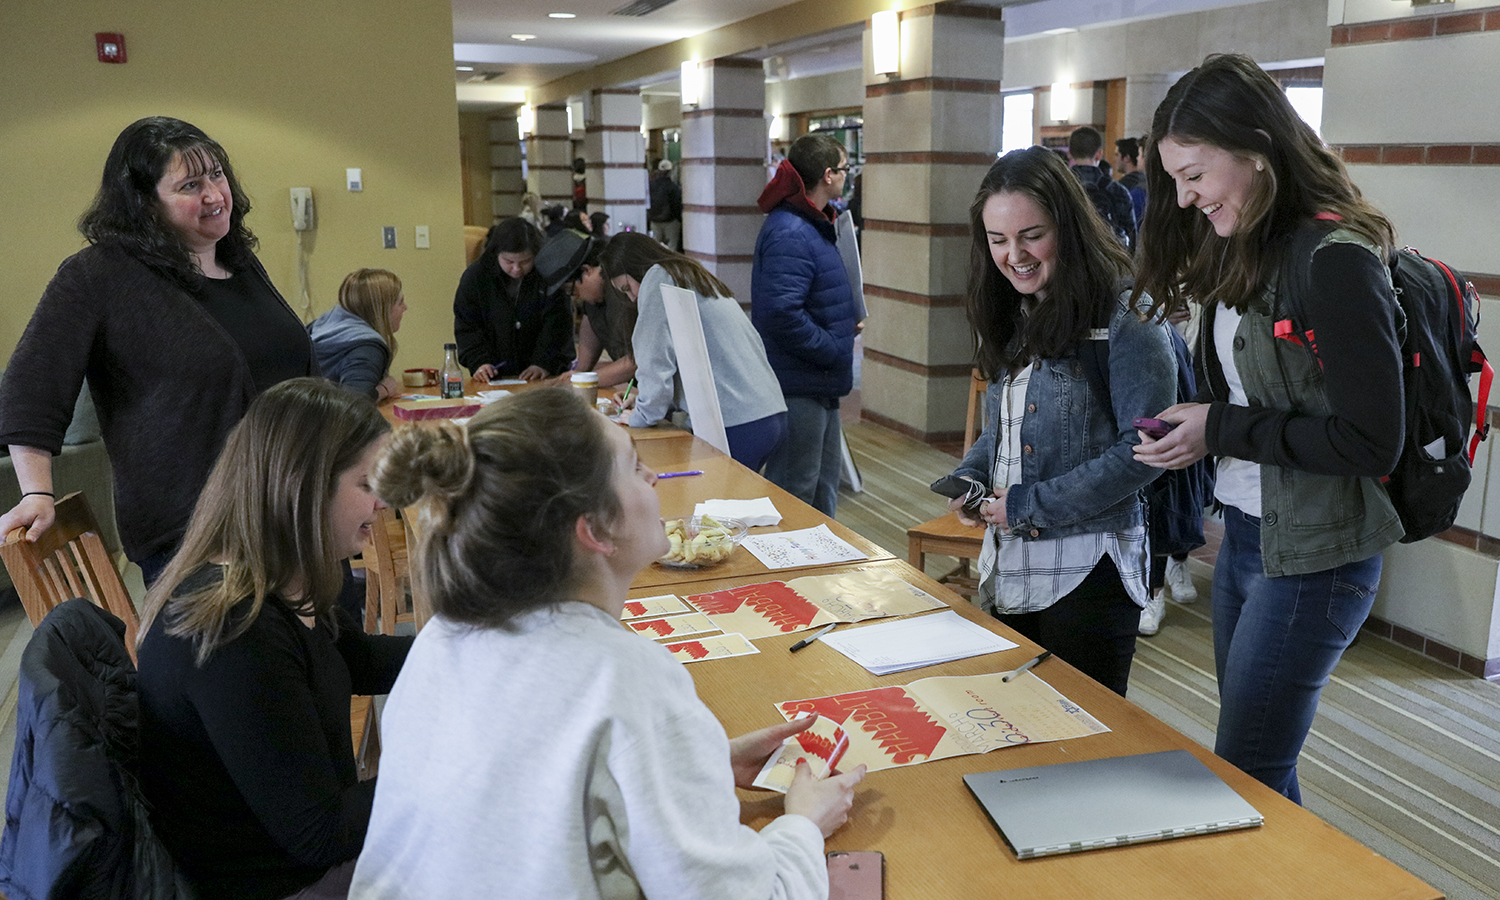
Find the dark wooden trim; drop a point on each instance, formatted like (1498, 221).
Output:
(951, 370)
(1488, 669)
(617, 92)
(728, 112)
(1417, 27)
(615, 165)
(926, 437)
(1420, 154)
(608, 202)
(948, 85)
(1488, 285)
(921, 229)
(929, 158)
(940, 301)
(719, 258)
(732, 62)
(595, 129)
(718, 210)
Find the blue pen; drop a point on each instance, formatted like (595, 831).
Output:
(678, 474)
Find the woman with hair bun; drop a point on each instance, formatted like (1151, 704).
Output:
(247, 663)
(1252, 217)
(532, 743)
(356, 340)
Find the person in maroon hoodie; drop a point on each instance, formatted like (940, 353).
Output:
(803, 305)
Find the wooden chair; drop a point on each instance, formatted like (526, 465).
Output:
(68, 560)
(946, 535)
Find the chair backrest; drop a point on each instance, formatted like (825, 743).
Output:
(388, 569)
(68, 560)
(975, 420)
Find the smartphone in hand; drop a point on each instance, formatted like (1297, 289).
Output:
(1156, 429)
(972, 492)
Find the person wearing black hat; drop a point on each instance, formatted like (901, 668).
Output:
(608, 315)
(505, 318)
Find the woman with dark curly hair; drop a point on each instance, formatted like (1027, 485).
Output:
(174, 323)
(505, 322)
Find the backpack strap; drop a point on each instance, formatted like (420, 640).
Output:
(1477, 358)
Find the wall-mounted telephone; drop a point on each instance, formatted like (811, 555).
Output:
(302, 208)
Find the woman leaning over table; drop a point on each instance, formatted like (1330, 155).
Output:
(1235, 179)
(174, 323)
(247, 663)
(510, 767)
(1065, 549)
(356, 340)
(749, 394)
(505, 322)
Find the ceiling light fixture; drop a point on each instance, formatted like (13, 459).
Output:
(465, 68)
(523, 37)
(1062, 101)
(562, 15)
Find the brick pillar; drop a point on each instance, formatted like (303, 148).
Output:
(616, 154)
(930, 134)
(1143, 94)
(723, 170)
(506, 185)
(549, 161)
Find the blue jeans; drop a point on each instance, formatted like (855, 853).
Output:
(752, 443)
(808, 463)
(1276, 642)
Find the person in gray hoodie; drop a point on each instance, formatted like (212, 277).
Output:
(356, 340)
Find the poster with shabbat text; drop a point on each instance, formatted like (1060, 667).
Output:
(776, 607)
(956, 715)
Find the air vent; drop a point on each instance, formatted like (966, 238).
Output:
(641, 8)
(483, 77)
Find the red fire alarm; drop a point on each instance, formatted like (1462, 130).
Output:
(111, 47)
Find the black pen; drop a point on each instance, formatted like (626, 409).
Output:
(1026, 668)
(814, 636)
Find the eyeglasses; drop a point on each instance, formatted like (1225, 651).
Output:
(844, 169)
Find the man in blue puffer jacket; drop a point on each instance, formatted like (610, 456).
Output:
(803, 306)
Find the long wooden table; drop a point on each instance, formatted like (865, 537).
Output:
(939, 844)
(937, 841)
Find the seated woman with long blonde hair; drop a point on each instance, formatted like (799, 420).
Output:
(533, 746)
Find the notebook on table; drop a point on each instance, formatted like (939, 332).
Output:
(1069, 807)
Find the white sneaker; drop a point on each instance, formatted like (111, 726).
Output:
(1179, 582)
(1152, 615)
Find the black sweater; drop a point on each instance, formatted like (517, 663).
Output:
(247, 761)
(510, 333)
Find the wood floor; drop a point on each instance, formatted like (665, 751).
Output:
(1404, 755)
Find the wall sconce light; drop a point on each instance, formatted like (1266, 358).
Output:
(692, 83)
(526, 120)
(777, 131)
(1062, 101)
(885, 43)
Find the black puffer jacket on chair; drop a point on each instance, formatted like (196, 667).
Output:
(75, 823)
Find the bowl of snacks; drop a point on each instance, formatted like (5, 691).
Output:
(702, 541)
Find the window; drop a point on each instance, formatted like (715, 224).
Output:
(1016, 121)
(1308, 102)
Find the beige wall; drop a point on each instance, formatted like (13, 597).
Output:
(296, 92)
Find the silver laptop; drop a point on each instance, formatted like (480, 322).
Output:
(1068, 807)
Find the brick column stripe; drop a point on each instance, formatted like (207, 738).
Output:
(617, 92)
(1421, 154)
(948, 370)
(557, 199)
(554, 107)
(1417, 27)
(730, 62)
(715, 210)
(616, 165)
(550, 138)
(725, 111)
(924, 85)
(724, 160)
(720, 258)
(929, 158)
(924, 229)
(595, 129)
(536, 168)
(937, 301)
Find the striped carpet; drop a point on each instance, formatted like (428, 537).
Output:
(1404, 755)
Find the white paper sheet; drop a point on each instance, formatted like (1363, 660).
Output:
(808, 547)
(916, 642)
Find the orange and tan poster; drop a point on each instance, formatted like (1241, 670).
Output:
(957, 715)
(715, 646)
(664, 605)
(674, 626)
(776, 607)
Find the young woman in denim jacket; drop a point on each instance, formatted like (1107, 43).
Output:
(1065, 549)
(1302, 433)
